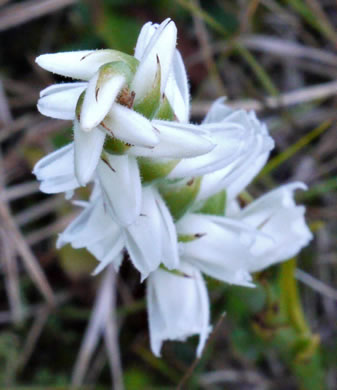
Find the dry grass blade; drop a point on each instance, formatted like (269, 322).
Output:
(40, 320)
(10, 265)
(11, 276)
(29, 260)
(17, 125)
(274, 46)
(300, 96)
(33, 310)
(48, 231)
(35, 212)
(20, 190)
(282, 47)
(96, 327)
(316, 284)
(111, 337)
(16, 14)
(252, 378)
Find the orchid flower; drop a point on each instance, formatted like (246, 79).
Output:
(242, 148)
(276, 215)
(150, 240)
(164, 189)
(115, 97)
(178, 307)
(269, 230)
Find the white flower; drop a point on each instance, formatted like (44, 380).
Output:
(176, 140)
(155, 41)
(242, 148)
(88, 147)
(107, 72)
(176, 87)
(121, 186)
(70, 166)
(178, 307)
(218, 246)
(94, 230)
(277, 215)
(56, 171)
(59, 100)
(98, 107)
(269, 230)
(151, 239)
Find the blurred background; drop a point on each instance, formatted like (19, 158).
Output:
(277, 57)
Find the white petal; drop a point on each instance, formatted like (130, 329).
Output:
(95, 230)
(88, 149)
(131, 127)
(59, 101)
(56, 163)
(180, 75)
(176, 140)
(169, 255)
(178, 307)
(162, 45)
(176, 100)
(77, 64)
(92, 225)
(277, 215)
(177, 90)
(120, 180)
(234, 178)
(56, 171)
(222, 248)
(252, 154)
(218, 111)
(144, 38)
(96, 105)
(110, 258)
(144, 237)
(229, 141)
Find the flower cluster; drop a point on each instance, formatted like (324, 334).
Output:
(164, 190)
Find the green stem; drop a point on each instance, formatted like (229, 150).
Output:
(290, 300)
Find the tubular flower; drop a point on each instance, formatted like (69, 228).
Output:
(165, 191)
(178, 307)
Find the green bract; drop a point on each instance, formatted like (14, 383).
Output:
(180, 197)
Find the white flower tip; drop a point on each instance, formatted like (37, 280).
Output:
(156, 346)
(60, 241)
(47, 61)
(300, 186)
(171, 28)
(81, 177)
(41, 60)
(202, 340)
(143, 276)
